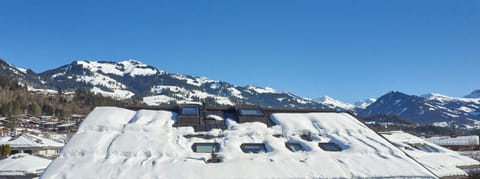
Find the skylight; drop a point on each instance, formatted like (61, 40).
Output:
(205, 147)
(253, 148)
(332, 147)
(251, 112)
(189, 111)
(294, 147)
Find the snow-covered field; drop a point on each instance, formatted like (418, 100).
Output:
(120, 143)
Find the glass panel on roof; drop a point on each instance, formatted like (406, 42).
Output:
(189, 111)
(294, 147)
(424, 147)
(332, 147)
(251, 112)
(205, 147)
(254, 148)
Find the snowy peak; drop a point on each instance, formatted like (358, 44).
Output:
(261, 90)
(365, 103)
(444, 98)
(474, 94)
(127, 67)
(335, 104)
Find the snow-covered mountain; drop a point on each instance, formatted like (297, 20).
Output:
(335, 104)
(22, 75)
(426, 109)
(365, 103)
(343, 106)
(474, 94)
(132, 78)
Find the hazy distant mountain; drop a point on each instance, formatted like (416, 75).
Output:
(426, 109)
(474, 94)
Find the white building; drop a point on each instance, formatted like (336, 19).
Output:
(34, 145)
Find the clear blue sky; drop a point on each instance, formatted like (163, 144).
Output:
(349, 50)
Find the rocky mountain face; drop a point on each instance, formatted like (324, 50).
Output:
(22, 75)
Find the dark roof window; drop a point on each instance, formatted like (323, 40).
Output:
(332, 147)
(294, 147)
(189, 110)
(251, 112)
(253, 148)
(205, 147)
(424, 147)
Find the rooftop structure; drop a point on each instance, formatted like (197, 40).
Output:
(160, 143)
(460, 143)
(31, 144)
(22, 166)
(441, 161)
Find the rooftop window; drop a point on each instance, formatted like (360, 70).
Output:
(424, 147)
(205, 147)
(330, 146)
(294, 147)
(189, 111)
(253, 148)
(251, 112)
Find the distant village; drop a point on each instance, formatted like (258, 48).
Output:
(29, 143)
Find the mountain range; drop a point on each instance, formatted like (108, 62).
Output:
(134, 79)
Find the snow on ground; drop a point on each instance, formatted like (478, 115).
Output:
(128, 67)
(23, 165)
(116, 94)
(198, 81)
(455, 141)
(261, 90)
(439, 160)
(120, 143)
(43, 91)
(183, 96)
(235, 92)
(23, 70)
(445, 98)
(101, 80)
(137, 68)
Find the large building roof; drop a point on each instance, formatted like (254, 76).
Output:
(439, 160)
(29, 141)
(23, 165)
(472, 140)
(120, 143)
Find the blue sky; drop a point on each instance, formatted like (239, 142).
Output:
(350, 50)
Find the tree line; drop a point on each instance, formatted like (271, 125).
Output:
(16, 99)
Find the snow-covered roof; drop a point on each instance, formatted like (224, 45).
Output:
(119, 143)
(23, 165)
(472, 140)
(28, 141)
(67, 125)
(439, 160)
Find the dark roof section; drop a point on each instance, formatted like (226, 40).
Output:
(204, 117)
